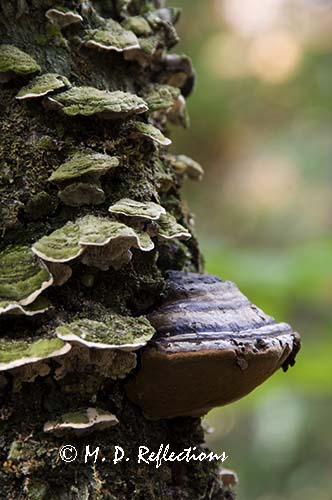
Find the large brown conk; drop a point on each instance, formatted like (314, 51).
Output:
(212, 347)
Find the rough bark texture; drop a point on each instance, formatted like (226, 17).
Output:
(34, 141)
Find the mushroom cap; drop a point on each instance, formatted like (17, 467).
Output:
(88, 101)
(22, 277)
(138, 209)
(82, 164)
(169, 228)
(159, 96)
(116, 332)
(82, 193)
(43, 85)
(39, 306)
(183, 165)
(81, 422)
(138, 25)
(112, 37)
(86, 235)
(16, 353)
(60, 246)
(63, 18)
(212, 347)
(148, 130)
(15, 61)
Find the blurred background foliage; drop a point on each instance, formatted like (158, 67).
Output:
(261, 125)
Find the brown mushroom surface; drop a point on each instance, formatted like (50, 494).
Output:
(212, 347)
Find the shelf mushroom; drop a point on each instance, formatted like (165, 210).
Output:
(88, 101)
(15, 62)
(63, 18)
(23, 278)
(81, 422)
(212, 347)
(42, 85)
(111, 37)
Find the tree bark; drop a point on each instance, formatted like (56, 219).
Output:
(35, 140)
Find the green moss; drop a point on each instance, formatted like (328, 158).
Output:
(37, 490)
(53, 30)
(41, 40)
(41, 204)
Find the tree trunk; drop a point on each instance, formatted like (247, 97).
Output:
(49, 123)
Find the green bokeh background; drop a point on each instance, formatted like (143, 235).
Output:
(261, 125)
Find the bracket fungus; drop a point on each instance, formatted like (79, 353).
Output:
(112, 37)
(169, 15)
(158, 96)
(60, 246)
(165, 18)
(178, 114)
(108, 345)
(82, 193)
(84, 164)
(39, 306)
(18, 353)
(22, 279)
(14, 61)
(43, 85)
(150, 48)
(137, 209)
(116, 332)
(63, 18)
(185, 166)
(103, 241)
(152, 132)
(168, 228)
(177, 70)
(212, 347)
(138, 25)
(81, 422)
(89, 101)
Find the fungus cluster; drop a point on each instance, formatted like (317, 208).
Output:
(79, 178)
(207, 345)
(107, 347)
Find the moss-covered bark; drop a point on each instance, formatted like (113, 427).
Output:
(35, 139)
